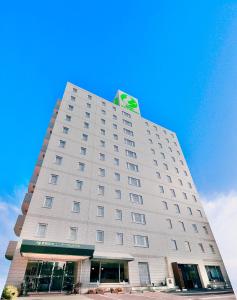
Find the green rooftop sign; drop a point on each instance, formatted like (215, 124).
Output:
(126, 101)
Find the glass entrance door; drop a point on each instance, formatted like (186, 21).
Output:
(190, 276)
(44, 276)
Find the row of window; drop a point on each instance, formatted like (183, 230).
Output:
(138, 240)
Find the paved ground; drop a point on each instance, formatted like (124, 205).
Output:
(144, 296)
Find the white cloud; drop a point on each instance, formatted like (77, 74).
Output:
(9, 210)
(221, 210)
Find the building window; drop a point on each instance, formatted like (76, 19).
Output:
(185, 196)
(117, 176)
(128, 132)
(115, 137)
(89, 97)
(100, 236)
(65, 130)
(70, 107)
(114, 108)
(81, 166)
(195, 229)
(41, 230)
(199, 213)
(173, 158)
(173, 245)
(115, 126)
(176, 170)
(162, 155)
(214, 273)
(129, 142)
(205, 229)
(73, 233)
(102, 156)
(155, 162)
(212, 249)
(101, 190)
(187, 246)
(201, 247)
(165, 205)
(161, 189)
(182, 225)
(194, 198)
(103, 111)
(148, 132)
(118, 214)
(189, 211)
(62, 144)
(185, 173)
(116, 161)
(160, 145)
(68, 118)
(138, 218)
(76, 207)
(135, 198)
(48, 202)
(150, 141)
(169, 178)
(53, 179)
(102, 131)
(117, 194)
(102, 121)
(115, 117)
(79, 185)
(126, 114)
(157, 135)
(158, 175)
(172, 191)
(74, 90)
(116, 148)
(101, 172)
(58, 160)
(140, 241)
(84, 137)
(119, 238)
(134, 181)
(102, 143)
(169, 223)
(153, 151)
(165, 166)
(87, 115)
(177, 209)
(100, 211)
(73, 98)
(128, 123)
(83, 151)
(132, 167)
(189, 185)
(130, 153)
(88, 105)
(103, 103)
(86, 125)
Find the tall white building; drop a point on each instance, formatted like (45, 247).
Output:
(111, 202)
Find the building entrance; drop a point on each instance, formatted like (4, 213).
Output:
(186, 276)
(46, 276)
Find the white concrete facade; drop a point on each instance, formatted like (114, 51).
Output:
(171, 209)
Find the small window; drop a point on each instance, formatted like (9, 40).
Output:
(89, 97)
(161, 189)
(116, 161)
(73, 233)
(102, 143)
(189, 211)
(48, 202)
(65, 130)
(129, 142)
(185, 196)
(115, 126)
(201, 247)
(117, 194)
(150, 141)
(187, 246)
(79, 185)
(194, 198)
(76, 207)
(162, 155)
(101, 172)
(177, 209)
(165, 205)
(132, 167)
(128, 123)
(135, 198)
(86, 125)
(102, 131)
(81, 166)
(138, 218)
(128, 132)
(102, 156)
(119, 238)
(126, 114)
(158, 175)
(169, 178)
(68, 118)
(114, 108)
(87, 115)
(83, 151)
(115, 137)
(73, 98)
(58, 160)
(62, 144)
(117, 176)
(41, 230)
(102, 121)
(130, 153)
(153, 151)
(70, 107)
(103, 111)
(199, 213)
(195, 229)
(180, 182)
(205, 229)
(115, 117)
(173, 245)
(84, 137)
(169, 224)
(99, 236)
(182, 226)
(100, 211)
(101, 190)
(212, 249)
(134, 181)
(118, 214)
(140, 241)
(189, 185)
(165, 166)
(103, 103)
(173, 158)
(53, 179)
(172, 191)
(74, 90)
(116, 148)
(88, 105)
(176, 170)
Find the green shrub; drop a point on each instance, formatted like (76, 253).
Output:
(10, 292)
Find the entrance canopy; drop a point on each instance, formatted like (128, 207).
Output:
(30, 248)
(112, 256)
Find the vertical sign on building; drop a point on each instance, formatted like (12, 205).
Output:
(126, 101)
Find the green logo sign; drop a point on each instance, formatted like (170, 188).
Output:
(124, 100)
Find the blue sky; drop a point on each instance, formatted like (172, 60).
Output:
(179, 58)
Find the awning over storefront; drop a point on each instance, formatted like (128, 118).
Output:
(112, 256)
(56, 248)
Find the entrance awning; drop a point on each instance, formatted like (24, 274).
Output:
(56, 248)
(112, 256)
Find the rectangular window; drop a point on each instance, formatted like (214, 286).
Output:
(84, 137)
(73, 233)
(177, 209)
(135, 198)
(172, 191)
(115, 117)
(70, 107)
(169, 178)
(116, 148)
(126, 114)
(194, 198)
(100, 211)
(169, 223)
(86, 125)
(115, 136)
(214, 273)
(83, 151)
(125, 122)
(102, 121)
(199, 213)
(187, 246)
(65, 130)
(117, 176)
(79, 185)
(74, 90)
(158, 175)
(161, 189)
(130, 153)
(153, 151)
(101, 172)
(129, 142)
(205, 229)
(185, 196)
(103, 111)
(58, 160)
(118, 214)
(99, 236)
(68, 118)
(132, 167)
(76, 206)
(116, 161)
(173, 245)
(189, 211)
(134, 181)
(89, 97)
(201, 247)
(182, 226)
(101, 190)
(102, 143)
(102, 131)
(48, 202)
(128, 132)
(81, 166)
(73, 98)
(119, 238)
(88, 105)
(62, 144)
(140, 241)
(165, 205)
(117, 194)
(155, 162)
(212, 249)
(195, 229)
(53, 179)
(165, 166)
(115, 126)
(102, 156)
(41, 230)
(87, 115)
(138, 218)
